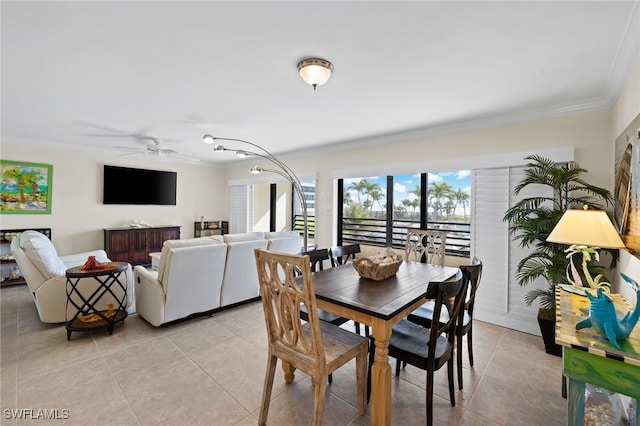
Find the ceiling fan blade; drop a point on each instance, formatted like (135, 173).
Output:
(130, 149)
(102, 135)
(182, 157)
(126, 154)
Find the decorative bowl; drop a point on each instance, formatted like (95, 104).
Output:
(377, 267)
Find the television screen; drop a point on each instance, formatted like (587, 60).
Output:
(124, 185)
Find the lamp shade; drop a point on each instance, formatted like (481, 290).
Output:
(587, 228)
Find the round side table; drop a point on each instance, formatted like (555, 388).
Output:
(88, 315)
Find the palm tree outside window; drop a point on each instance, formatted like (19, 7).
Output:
(378, 210)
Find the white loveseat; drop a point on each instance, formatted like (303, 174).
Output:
(200, 275)
(44, 272)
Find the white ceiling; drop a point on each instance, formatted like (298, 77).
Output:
(177, 70)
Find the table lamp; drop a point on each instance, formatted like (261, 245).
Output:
(587, 231)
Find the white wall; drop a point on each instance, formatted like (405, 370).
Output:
(589, 134)
(78, 216)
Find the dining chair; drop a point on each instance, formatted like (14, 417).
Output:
(315, 347)
(316, 262)
(424, 314)
(429, 348)
(342, 254)
(424, 245)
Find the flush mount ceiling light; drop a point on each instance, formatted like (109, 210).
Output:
(315, 71)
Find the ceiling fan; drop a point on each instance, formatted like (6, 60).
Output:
(155, 148)
(152, 145)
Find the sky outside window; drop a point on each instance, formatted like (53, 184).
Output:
(404, 185)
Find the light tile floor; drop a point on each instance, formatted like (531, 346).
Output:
(210, 371)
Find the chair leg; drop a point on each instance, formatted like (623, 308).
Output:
(452, 395)
(564, 386)
(266, 392)
(372, 354)
(429, 397)
(459, 359)
(366, 331)
(357, 324)
(398, 366)
(470, 345)
(330, 378)
(318, 401)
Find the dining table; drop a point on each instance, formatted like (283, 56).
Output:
(378, 304)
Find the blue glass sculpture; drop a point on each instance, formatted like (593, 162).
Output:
(602, 315)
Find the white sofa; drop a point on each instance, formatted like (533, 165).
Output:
(187, 282)
(44, 272)
(194, 280)
(284, 242)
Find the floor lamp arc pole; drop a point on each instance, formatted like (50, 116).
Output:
(286, 172)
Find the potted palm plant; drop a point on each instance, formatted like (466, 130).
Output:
(532, 219)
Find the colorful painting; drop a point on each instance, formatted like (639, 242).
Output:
(25, 188)
(627, 191)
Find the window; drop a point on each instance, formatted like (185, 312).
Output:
(377, 210)
(269, 207)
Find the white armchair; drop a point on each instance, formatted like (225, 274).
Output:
(44, 272)
(187, 282)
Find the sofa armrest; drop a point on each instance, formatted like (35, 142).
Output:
(78, 259)
(150, 295)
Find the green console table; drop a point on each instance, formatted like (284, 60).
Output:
(588, 357)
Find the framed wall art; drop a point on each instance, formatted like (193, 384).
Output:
(25, 187)
(627, 186)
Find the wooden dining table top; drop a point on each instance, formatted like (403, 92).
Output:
(343, 286)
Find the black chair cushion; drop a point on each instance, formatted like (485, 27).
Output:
(424, 314)
(413, 339)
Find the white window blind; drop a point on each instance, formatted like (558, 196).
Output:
(241, 206)
(500, 300)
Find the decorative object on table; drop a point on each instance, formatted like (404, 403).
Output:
(25, 187)
(379, 266)
(139, 224)
(201, 222)
(111, 311)
(532, 219)
(285, 171)
(8, 236)
(603, 318)
(14, 274)
(92, 264)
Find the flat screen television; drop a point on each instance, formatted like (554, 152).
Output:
(125, 185)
